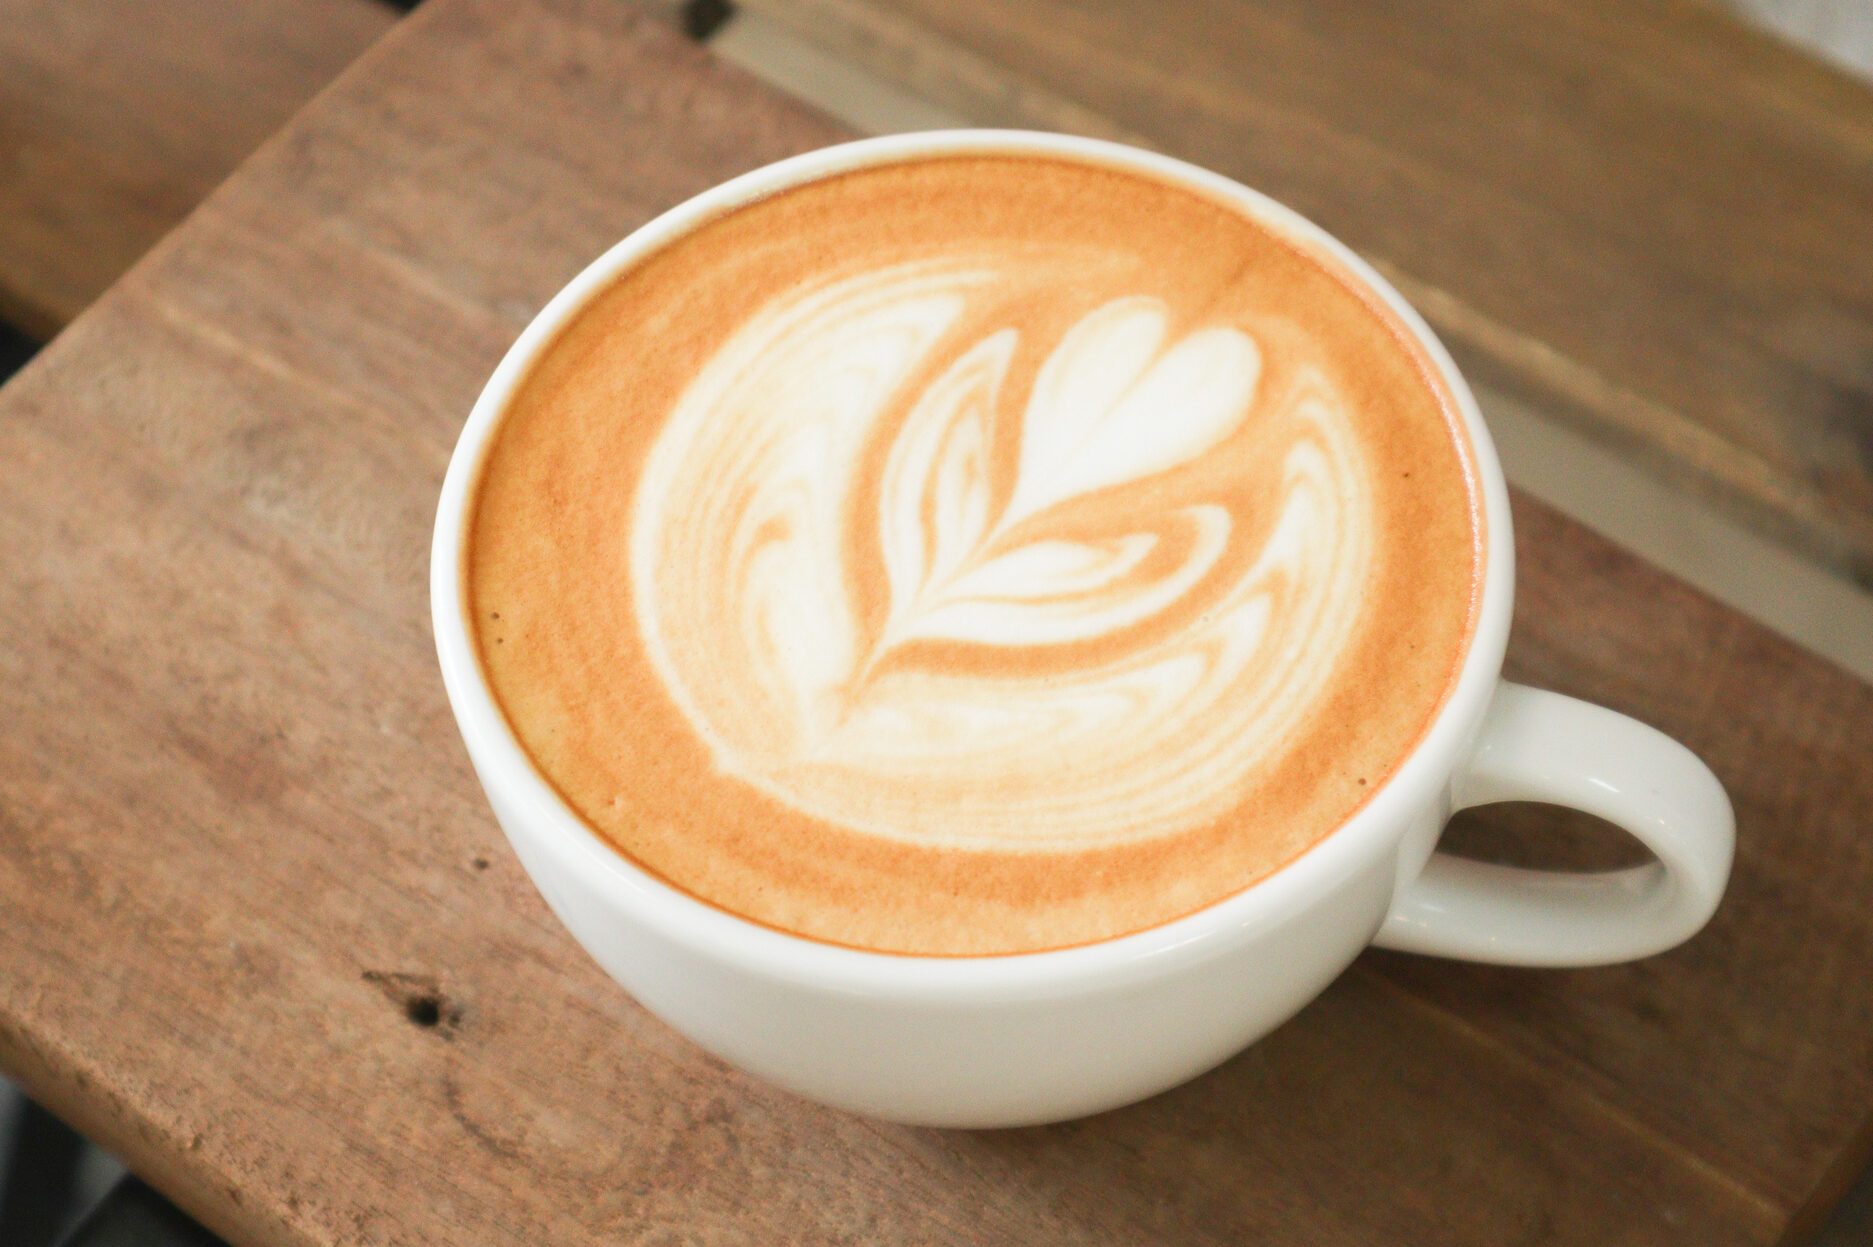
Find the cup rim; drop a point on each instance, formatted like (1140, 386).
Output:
(550, 825)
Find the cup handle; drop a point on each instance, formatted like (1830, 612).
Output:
(1542, 746)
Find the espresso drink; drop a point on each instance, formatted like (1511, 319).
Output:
(975, 554)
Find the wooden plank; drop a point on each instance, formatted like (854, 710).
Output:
(1643, 218)
(263, 940)
(118, 116)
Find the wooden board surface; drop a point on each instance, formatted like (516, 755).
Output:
(1643, 217)
(118, 116)
(263, 940)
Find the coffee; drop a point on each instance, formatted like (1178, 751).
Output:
(974, 554)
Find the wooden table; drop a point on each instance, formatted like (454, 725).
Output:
(262, 939)
(118, 116)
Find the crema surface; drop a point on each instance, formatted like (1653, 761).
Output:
(977, 554)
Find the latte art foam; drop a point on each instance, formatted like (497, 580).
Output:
(971, 555)
(1081, 637)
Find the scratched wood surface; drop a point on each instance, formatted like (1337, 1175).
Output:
(261, 936)
(1639, 215)
(118, 116)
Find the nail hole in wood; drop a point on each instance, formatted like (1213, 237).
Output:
(421, 999)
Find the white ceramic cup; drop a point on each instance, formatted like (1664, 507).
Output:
(1009, 1040)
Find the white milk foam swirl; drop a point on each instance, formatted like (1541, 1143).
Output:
(741, 537)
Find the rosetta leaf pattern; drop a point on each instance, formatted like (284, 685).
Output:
(1020, 496)
(1110, 405)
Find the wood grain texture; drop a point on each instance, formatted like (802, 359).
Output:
(118, 116)
(1643, 218)
(263, 940)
